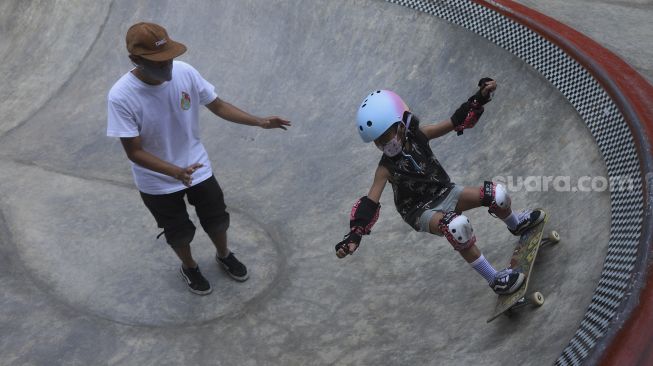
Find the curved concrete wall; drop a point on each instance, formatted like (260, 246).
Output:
(43, 44)
(614, 136)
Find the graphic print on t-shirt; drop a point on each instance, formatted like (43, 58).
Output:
(185, 101)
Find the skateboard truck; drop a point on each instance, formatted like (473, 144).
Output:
(535, 299)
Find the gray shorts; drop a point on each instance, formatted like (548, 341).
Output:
(447, 204)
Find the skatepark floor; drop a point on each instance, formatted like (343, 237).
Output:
(85, 281)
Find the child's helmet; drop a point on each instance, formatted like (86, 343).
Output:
(378, 112)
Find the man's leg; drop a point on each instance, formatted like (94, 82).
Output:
(208, 199)
(190, 271)
(184, 253)
(226, 258)
(219, 239)
(169, 211)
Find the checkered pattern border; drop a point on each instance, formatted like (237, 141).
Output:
(610, 131)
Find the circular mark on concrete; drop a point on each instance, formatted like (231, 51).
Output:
(123, 274)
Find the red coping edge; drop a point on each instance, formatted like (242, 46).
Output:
(629, 338)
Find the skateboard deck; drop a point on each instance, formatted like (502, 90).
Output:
(523, 258)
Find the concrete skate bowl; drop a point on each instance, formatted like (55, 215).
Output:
(86, 282)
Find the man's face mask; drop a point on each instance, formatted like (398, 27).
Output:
(161, 71)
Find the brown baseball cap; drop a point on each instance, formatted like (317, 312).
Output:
(151, 42)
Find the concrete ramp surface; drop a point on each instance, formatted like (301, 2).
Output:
(84, 280)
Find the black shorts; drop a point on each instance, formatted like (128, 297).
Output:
(169, 211)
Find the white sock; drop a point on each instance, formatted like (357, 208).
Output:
(484, 268)
(511, 221)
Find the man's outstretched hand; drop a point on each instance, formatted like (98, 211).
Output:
(274, 122)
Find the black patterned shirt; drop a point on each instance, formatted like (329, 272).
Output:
(419, 183)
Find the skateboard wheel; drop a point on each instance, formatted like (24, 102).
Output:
(536, 298)
(554, 237)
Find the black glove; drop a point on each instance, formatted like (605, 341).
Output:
(478, 97)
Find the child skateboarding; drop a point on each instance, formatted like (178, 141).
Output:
(424, 195)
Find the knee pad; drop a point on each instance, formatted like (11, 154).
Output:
(495, 196)
(458, 231)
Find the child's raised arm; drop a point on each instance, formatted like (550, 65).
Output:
(437, 129)
(364, 214)
(466, 115)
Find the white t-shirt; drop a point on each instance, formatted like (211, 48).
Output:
(166, 118)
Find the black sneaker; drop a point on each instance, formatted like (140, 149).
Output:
(233, 267)
(197, 284)
(507, 281)
(527, 219)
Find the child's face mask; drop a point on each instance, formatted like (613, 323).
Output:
(393, 147)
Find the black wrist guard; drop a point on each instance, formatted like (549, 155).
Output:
(479, 98)
(469, 112)
(467, 115)
(364, 215)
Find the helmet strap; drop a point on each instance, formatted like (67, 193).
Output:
(406, 119)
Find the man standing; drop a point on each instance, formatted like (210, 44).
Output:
(154, 111)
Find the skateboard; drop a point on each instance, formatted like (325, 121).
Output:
(523, 258)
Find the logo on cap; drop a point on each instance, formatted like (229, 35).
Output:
(160, 43)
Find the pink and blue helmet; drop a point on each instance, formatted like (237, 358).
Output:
(379, 111)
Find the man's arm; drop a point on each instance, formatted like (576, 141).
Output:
(232, 113)
(135, 153)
